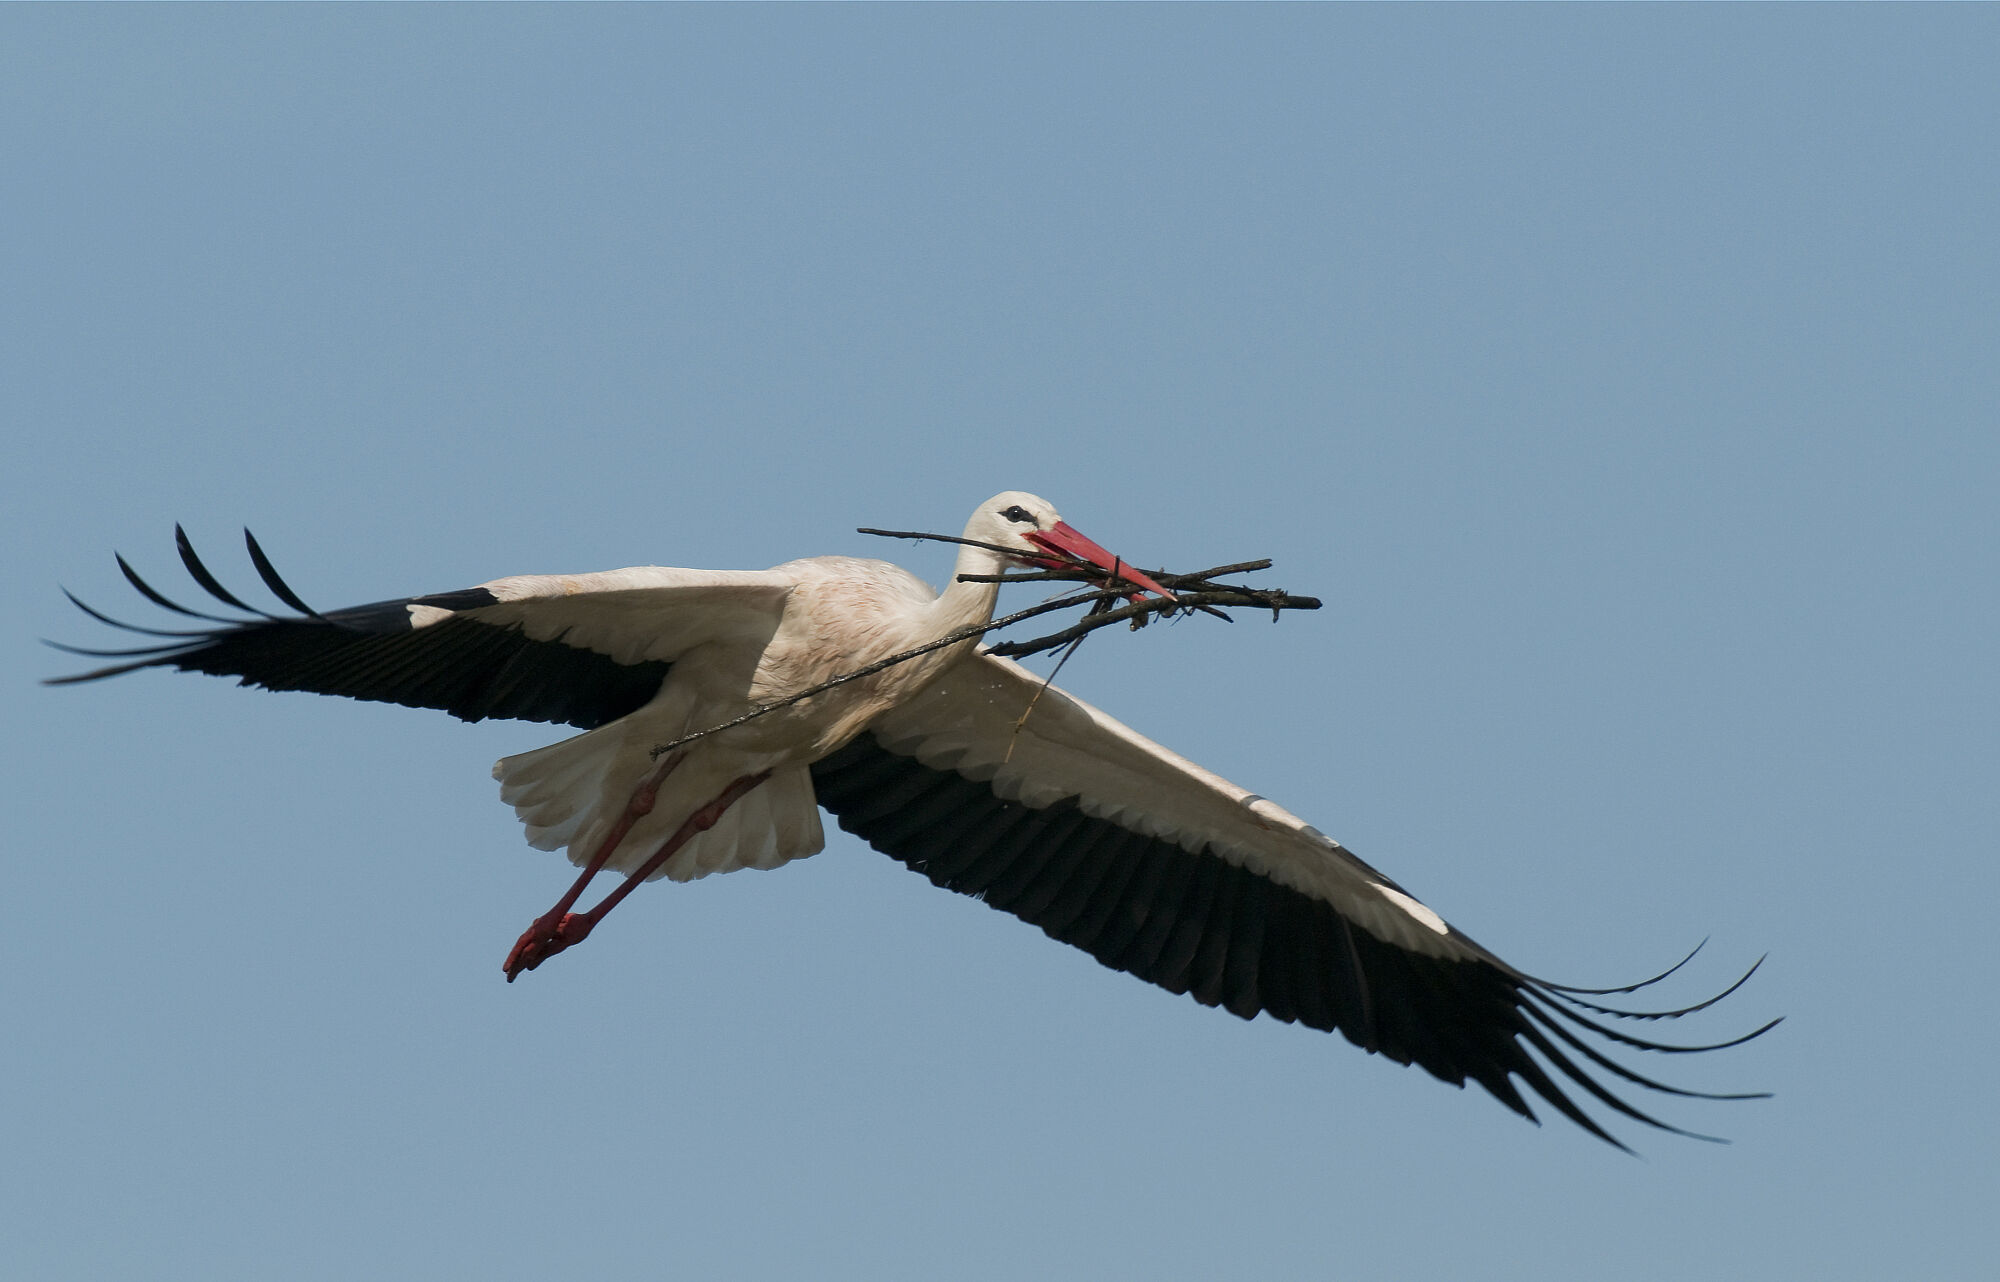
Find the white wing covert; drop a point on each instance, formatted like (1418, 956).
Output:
(994, 721)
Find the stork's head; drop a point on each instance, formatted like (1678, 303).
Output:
(1017, 520)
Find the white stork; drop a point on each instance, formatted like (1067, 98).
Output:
(962, 765)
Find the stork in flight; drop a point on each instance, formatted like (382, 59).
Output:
(962, 765)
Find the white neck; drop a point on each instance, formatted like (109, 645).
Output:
(963, 604)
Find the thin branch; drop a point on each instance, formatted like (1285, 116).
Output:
(1137, 611)
(1194, 591)
(1094, 575)
(937, 538)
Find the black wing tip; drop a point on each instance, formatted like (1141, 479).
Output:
(181, 641)
(476, 670)
(1644, 983)
(99, 674)
(1568, 995)
(104, 618)
(1550, 1005)
(1580, 1077)
(272, 580)
(209, 583)
(159, 598)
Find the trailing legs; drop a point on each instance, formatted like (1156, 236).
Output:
(559, 928)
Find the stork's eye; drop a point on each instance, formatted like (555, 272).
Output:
(1020, 514)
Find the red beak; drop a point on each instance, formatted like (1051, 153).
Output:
(1064, 540)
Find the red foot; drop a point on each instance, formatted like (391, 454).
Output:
(559, 928)
(547, 937)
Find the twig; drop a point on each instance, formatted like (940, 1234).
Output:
(1226, 595)
(1094, 575)
(1015, 735)
(937, 538)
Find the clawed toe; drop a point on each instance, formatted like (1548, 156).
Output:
(548, 936)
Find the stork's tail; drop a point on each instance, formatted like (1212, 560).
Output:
(569, 794)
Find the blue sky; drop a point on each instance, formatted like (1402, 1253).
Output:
(1624, 379)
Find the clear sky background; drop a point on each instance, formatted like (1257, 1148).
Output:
(1626, 380)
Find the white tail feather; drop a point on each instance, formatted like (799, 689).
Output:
(569, 794)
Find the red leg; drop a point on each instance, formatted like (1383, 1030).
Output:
(547, 929)
(571, 929)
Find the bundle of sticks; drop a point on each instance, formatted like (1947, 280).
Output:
(1115, 600)
(1112, 600)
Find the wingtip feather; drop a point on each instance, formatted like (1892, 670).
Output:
(268, 572)
(200, 573)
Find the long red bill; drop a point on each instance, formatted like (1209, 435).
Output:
(1064, 539)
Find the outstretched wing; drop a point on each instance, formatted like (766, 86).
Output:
(1073, 822)
(579, 649)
